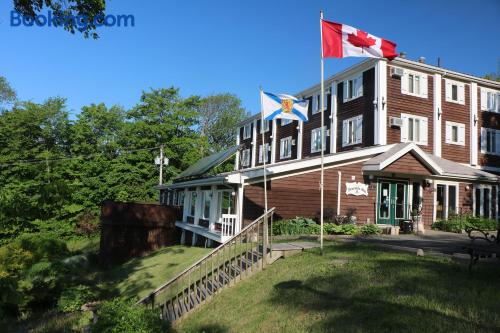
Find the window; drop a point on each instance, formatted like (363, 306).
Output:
(414, 84)
(286, 148)
(192, 203)
(455, 133)
(265, 153)
(352, 131)
(416, 198)
(245, 157)
(316, 140)
(490, 141)
(180, 198)
(226, 199)
(285, 121)
(414, 129)
(440, 193)
(317, 103)
(455, 91)
(446, 201)
(490, 100)
(452, 200)
(265, 127)
(353, 88)
(483, 201)
(247, 131)
(207, 202)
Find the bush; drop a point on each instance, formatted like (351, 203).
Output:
(348, 229)
(122, 316)
(73, 298)
(370, 229)
(458, 223)
(296, 226)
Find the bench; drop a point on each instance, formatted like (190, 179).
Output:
(482, 245)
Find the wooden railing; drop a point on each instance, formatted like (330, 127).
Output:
(228, 225)
(239, 256)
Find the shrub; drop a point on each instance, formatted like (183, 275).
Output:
(370, 229)
(73, 298)
(296, 226)
(348, 229)
(457, 223)
(122, 316)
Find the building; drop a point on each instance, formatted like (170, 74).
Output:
(403, 139)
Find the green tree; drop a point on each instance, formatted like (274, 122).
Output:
(88, 9)
(7, 94)
(492, 76)
(218, 116)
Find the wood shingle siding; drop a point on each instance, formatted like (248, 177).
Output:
(408, 164)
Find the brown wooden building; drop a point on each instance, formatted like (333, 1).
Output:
(403, 138)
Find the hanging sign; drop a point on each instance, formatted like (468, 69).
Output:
(356, 188)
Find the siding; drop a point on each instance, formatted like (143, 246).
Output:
(247, 144)
(457, 113)
(398, 103)
(315, 122)
(408, 164)
(283, 132)
(361, 105)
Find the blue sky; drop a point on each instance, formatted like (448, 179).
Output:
(206, 47)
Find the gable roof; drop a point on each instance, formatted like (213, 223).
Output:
(439, 166)
(205, 164)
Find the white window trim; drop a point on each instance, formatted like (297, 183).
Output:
(484, 131)
(457, 201)
(313, 131)
(484, 100)
(206, 193)
(359, 136)
(265, 129)
(424, 87)
(461, 127)
(289, 155)
(356, 94)
(245, 157)
(190, 200)
(460, 91)
(266, 148)
(245, 134)
(404, 129)
(286, 121)
(481, 187)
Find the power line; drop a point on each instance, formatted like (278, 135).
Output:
(72, 158)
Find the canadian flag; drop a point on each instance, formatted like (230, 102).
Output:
(340, 41)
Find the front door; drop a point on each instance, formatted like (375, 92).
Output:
(392, 202)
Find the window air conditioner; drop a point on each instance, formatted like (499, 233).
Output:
(397, 72)
(396, 122)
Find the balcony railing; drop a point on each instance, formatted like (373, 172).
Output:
(228, 225)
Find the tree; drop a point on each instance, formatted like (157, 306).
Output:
(492, 76)
(7, 94)
(218, 116)
(89, 10)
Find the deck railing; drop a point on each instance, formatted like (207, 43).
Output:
(237, 257)
(228, 225)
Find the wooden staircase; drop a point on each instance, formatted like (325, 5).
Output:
(245, 253)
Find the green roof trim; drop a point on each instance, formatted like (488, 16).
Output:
(205, 164)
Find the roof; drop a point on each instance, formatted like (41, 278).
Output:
(438, 165)
(207, 163)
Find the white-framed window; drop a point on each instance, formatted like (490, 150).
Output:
(286, 147)
(414, 84)
(454, 91)
(455, 133)
(490, 141)
(207, 202)
(245, 157)
(484, 199)
(353, 87)
(414, 129)
(352, 131)
(317, 103)
(193, 196)
(247, 131)
(264, 153)
(490, 100)
(180, 198)
(316, 139)
(266, 124)
(285, 121)
(446, 200)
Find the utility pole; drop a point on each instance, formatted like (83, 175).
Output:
(161, 165)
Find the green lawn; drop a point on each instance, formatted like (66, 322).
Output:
(356, 289)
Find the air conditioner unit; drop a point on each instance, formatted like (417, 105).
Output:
(396, 122)
(397, 72)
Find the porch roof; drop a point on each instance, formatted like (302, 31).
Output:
(439, 166)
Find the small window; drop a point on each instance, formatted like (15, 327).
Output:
(452, 200)
(264, 153)
(454, 92)
(455, 133)
(180, 199)
(352, 131)
(414, 129)
(207, 202)
(245, 157)
(265, 127)
(285, 121)
(353, 88)
(286, 148)
(247, 131)
(316, 140)
(414, 84)
(192, 203)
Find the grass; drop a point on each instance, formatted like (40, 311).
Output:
(356, 288)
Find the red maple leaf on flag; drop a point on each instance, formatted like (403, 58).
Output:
(360, 39)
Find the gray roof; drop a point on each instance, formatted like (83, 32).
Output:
(205, 164)
(382, 157)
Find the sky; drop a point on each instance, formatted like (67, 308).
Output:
(208, 47)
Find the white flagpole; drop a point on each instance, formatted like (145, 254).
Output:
(264, 153)
(321, 184)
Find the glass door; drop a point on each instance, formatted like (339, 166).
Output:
(392, 202)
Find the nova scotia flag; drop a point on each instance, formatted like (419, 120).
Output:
(283, 106)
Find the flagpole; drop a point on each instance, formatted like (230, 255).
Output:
(264, 157)
(321, 184)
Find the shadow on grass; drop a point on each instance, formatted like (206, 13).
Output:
(386, 294)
